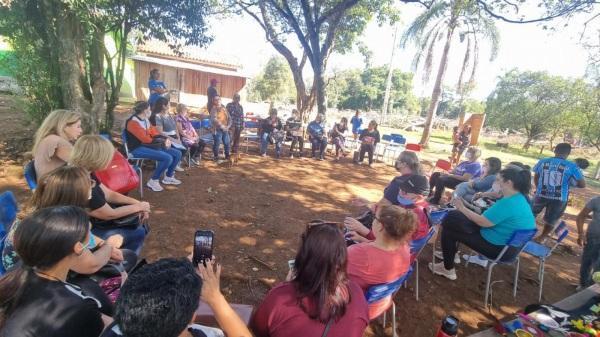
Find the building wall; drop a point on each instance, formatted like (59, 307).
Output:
(191, 84)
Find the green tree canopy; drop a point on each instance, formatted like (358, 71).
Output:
(274, 83)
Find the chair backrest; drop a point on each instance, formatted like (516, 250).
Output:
(379, 291)
(8, 211)
(387, 138)
(443, 165)
(124, 140)
(196, 124)
(561, 232)
(206, 123)
(30, 175)
(413, 147)
(436, 217)
(520, 237)
(251, 124)
(416, 246)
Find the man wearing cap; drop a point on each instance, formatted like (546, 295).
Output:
(211, 92)
(412, 194)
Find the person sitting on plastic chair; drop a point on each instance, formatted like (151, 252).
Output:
(369, 138)
(271, 131)
(385, 259)
(489, 232)
(317, 137)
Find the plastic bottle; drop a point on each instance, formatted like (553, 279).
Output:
(449, 327)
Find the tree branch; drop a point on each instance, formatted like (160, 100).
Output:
(565, 11)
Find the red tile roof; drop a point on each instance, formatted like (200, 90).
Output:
(191, 54)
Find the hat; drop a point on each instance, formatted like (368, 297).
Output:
(416, 184)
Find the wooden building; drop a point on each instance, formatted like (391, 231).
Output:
(188, 73)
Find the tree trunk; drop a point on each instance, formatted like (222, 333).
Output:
(98, 84)
(70, 58)
(437, 88)
(527, 144)
(320, 91)
(388, 81)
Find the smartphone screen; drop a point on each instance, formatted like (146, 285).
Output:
(203, 246)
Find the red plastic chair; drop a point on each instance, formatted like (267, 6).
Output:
(119, 176)
(413, 147)
(443, 165)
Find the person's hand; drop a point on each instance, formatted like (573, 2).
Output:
(290, 275)
(143, 206)
(116, 255)
(360, 202)
(355, 225)
(168, 143)
(459, 204)
(211, 291)
(354, 236)
(477, 195)
(581, 240)
(144, 216)
(114, 240)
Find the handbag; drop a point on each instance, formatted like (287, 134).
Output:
(158, 143)
(128, 221)
(119, 176)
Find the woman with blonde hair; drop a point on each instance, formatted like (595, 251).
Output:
(111, 213)
(53, 140)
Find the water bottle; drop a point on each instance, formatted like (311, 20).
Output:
(449, 327)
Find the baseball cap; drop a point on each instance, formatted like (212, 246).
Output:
(416, 184)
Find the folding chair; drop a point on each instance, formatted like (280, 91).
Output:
(543, 252)
(250, 133)
(413, 147)
(138, 162)
(518, 240)
(441, 164)
(30, 175)
(8, 213)
(381, 291)
(416, 247)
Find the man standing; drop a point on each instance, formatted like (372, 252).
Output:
(236, 112)
(356, 122)
(590, 240)
(552, 177)
(211, 93)
(221, 123)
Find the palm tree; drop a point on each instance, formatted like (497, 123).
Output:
(444, 21)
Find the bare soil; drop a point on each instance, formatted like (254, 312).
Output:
(259, 207)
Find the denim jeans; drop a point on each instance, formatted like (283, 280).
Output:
(320, 144)
(218, 137)
(133, 238)
(167, 159)
(264, 143)
(590, 261)
(464, 191)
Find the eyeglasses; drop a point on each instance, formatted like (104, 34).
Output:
(92, 183)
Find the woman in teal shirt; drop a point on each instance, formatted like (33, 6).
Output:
(489, 232)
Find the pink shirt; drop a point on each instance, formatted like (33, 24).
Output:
(369, 265)
(279, 315)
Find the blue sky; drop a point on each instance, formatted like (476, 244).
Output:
(523, 46)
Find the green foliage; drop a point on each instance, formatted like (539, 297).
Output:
(364, 89)
(274, 83)
(535, 103)
(7, 62)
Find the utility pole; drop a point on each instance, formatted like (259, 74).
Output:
(388, 83)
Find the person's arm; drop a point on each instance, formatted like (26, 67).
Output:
(581, 217)
(63, 152)
(480, 220)
(106, 212)
(229, 120)
(229, 321)
(90, 262)
(116, 197)
(139, 132)
(356, 226)
(179, 129)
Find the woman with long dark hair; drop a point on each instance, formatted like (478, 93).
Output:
(35, 298)
(318, 298)
(468, 189)
(338, 138)
(489, 232)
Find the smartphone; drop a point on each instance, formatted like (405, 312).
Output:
(292, 264)
(203, 246)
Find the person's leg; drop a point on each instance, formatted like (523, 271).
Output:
(163, 159)
(554, 211)
(293, 144)
(323, 145)
(264, 143)
(589, 259)
(216, 144)
(463, 190)
(370, 150)
(451, 239)
(301, 146)
(440, 184)
(237, 132)
(176, 158)
(314, 145)
(226, 144)
(277, 148)
(194, 148)
(451, 182)
(433, 181)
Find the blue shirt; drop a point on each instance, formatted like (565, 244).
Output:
(554, 176)
(356, 124)
(316, 129)
(153, 84)
(474, 169)
(508, 215)
(484, 183)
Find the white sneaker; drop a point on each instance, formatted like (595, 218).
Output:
(179, 168)
(154, 185)
(439, 255)
(476, 259)
(439, 269)
(171, 181)
(195, 162)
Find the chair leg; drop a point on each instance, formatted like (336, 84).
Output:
(542, 265)
(384, 318)
(394, 318)
(417, 279)
(487, 284)
(516, 280)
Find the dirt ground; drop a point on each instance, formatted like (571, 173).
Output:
(258, 209)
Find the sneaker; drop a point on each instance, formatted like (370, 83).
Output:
(291, 156)
(220, 161)
(264, 155)
(154, 185)
(476, 259)
(179, 168)
(195, 162)
(439, 255)
(321, 158)
(439, 269)
(171, 181)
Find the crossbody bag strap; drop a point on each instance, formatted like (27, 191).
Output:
(327, 327)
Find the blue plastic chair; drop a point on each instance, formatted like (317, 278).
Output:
(30, 175)
(196, 124)
(250, 133)
(381, 291)
(543, 252)
(206, 123)
(518, 240)
(8, 214)
(386, 138)
(416, 247)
